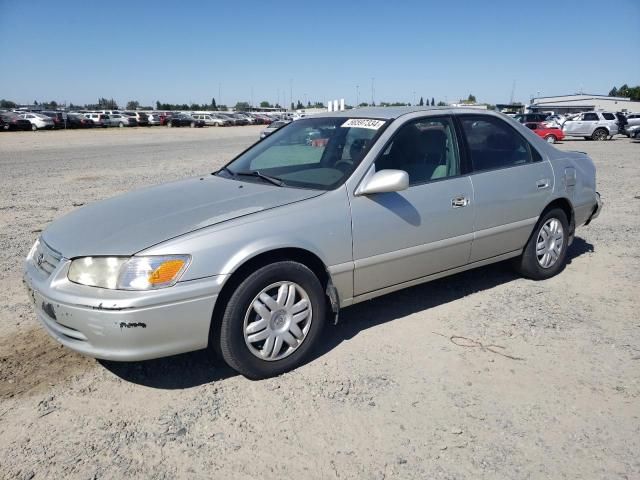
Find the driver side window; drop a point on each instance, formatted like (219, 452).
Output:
(425, 148)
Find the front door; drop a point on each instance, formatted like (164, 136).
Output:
(428, 228)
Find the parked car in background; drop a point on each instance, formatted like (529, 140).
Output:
(272, 128)
(592, 126)
(38, 121)
(99, 119)
(225, 116)
(77, 120)
(633, 119)
(57, 117)
(154, 119)
(226, 121)
(141, 118)
(265, 119)
(12, 121)
(633, 132)
(550, 134)
(531, 117)
(209, 120)
(183, 120)
(120, 120)
(252, 260)
(238, 119)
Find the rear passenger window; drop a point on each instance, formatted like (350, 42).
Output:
(609, 116)
(590, 117)
(494, 144)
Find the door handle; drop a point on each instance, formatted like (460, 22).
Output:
(460, 201)
(542, 184)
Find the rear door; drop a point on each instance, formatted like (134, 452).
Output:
(574, 127)
(512, 184)
(590, 121)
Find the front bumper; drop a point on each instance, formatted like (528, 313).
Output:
(122, 325)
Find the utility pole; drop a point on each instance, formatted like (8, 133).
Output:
(357, 96)
(251, 97)
(219, 98)
(291, 90)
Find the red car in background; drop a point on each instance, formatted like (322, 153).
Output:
(550, 134)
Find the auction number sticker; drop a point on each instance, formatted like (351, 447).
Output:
(369, 123)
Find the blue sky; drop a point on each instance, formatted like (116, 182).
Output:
(191, 51)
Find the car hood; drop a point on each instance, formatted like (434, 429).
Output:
(132, 222)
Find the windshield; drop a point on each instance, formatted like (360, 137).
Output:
(318, 153)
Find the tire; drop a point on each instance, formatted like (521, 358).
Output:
(33, 127)
(169, 124)
(121, 125)
(532, 264)
(551, 138)
(192, 124)
(248, 357)
(599, 134)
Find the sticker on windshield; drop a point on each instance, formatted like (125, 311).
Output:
(363, 123)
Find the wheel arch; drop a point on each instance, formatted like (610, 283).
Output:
(567, 207)
(251, 264)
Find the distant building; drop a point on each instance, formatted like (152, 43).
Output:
(583, 102)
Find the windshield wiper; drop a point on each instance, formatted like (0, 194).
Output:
(225, 169)
(268, 178)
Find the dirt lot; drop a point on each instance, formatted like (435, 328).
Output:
(544, 384)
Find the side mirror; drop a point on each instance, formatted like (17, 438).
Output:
(384, 181)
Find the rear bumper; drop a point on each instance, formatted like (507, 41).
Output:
(596, 209)
(120, 325)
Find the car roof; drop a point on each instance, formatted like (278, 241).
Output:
(390, 113)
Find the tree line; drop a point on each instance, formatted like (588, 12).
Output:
(626, 91)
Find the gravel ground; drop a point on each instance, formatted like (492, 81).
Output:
(483, 375)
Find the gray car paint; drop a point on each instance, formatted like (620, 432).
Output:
(129, 223)
(223, 223)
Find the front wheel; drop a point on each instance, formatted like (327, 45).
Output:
(193, 124)
(546, 251)
(550, 138)
(169, 124)
(272, 320)
(121, 125)
(33, 127)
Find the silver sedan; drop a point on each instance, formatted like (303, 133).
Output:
(326, 212)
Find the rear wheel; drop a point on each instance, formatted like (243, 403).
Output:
(169, 124)
(121, 125)
(272, 320)
(546, 251)
(551, 138)
(193, 124)
(33, 127)
(600, 134)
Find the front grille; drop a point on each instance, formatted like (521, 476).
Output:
(45, 258)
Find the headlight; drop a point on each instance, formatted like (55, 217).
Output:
(129, 273)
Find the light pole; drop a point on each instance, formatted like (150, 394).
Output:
(373, 101)
(357, 96)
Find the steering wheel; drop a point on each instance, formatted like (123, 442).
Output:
(343, 165)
